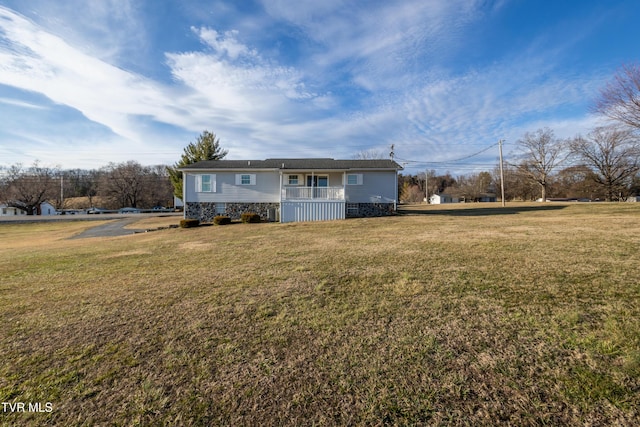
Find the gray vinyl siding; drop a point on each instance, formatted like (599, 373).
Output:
(377, 187)
(266, 189)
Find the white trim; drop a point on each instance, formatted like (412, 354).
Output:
(184, 195)
(358, 176)
(297, 175)
(252, 178)
(212, 183)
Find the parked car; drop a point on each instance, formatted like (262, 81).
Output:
(95, 211)
(129, 210)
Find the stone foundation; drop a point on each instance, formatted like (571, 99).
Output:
(366, 210)
(235, 210)
(206, 211)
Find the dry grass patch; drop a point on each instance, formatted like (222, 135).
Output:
(523, 317)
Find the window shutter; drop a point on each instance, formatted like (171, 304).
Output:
(212, 180)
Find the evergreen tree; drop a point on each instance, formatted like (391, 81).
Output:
(206, 147)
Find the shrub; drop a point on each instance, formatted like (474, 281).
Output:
(188, 223)
(221, 220)
(250, 217)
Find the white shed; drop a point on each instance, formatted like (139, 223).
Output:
(439, 199)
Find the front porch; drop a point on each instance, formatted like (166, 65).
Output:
(313, 193)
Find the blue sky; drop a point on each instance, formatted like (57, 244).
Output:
(84, 83)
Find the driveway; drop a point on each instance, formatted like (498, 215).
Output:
(110, 229)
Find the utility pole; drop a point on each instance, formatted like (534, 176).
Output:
(392, 154)
(61, 192)
(501, 174)
(426, 186)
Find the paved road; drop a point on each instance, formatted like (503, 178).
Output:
(115, 226)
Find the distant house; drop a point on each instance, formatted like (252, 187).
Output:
(487, 198)
(11, 211)
(633, 199)
(46, 208)
(440, 199)
(290, 190)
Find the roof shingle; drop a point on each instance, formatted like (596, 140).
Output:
(295, 164)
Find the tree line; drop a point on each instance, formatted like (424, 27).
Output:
(117, 185)
(603, 164)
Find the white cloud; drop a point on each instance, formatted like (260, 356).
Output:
(265, 104)
(19, 103)
(222, 44)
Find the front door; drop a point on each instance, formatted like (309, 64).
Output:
(317, 181)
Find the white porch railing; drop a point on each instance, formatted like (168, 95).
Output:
(313, 193)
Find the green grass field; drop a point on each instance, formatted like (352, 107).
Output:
(465, 315)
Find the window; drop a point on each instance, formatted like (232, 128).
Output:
(246, 179)
(293, 180)
(221, 208)
(352, 209)
(205, 183)
(354, 179)
(317, 180)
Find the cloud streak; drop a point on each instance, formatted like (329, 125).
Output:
(358, 78)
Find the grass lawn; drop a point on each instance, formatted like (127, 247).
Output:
(454, 315)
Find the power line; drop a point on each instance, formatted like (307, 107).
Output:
(450, 161)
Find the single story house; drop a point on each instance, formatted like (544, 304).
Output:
(438, 199)
(11, 211)
(290, 190)
(46, 208)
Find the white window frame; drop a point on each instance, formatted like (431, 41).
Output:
(212, 183)
(252, 178)
(352, 208)
(292, 181)
(358, 179)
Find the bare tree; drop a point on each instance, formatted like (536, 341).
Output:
(123, 183)
(578, 181)
(541, 152)
(370, 154)
(474, 186)
(613, 154)
(411, 193)
(620, 98)
(27, 188)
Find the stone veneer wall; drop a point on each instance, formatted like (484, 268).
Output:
(235, 210)
(372, 209)
(206, 211)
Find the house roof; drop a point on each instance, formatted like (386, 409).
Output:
(295, 164)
